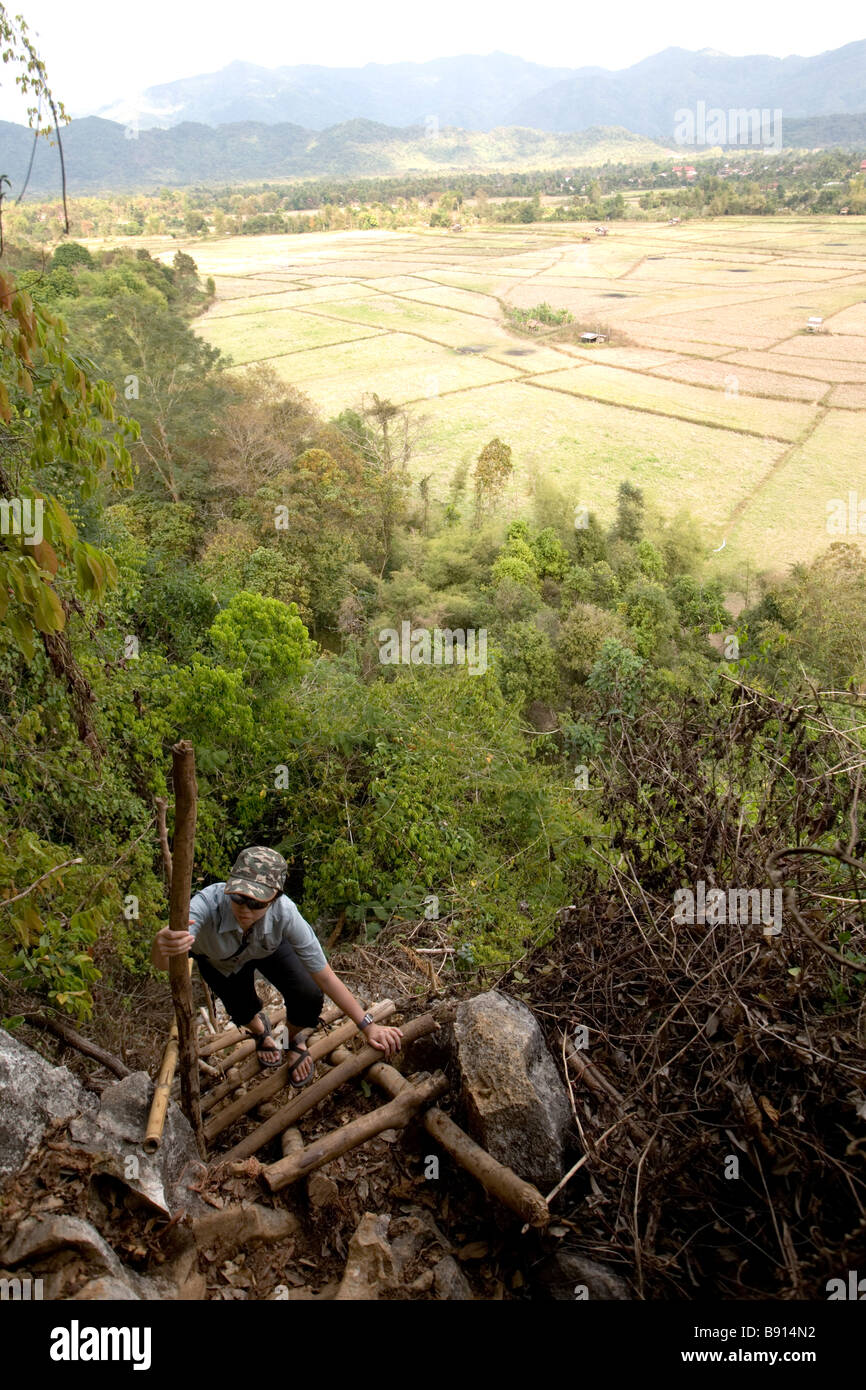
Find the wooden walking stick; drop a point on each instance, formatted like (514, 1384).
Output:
(185, 799)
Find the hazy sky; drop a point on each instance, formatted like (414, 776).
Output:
(99, 50)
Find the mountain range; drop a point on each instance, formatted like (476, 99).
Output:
(102, 156)
(480, 93)
(484, 114)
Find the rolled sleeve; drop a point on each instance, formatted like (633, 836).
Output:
(203, 911)
(301, 937)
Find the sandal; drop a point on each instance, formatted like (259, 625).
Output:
(302, 1053)
(265, 1043)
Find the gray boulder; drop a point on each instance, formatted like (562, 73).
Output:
(567, 1276)
(114, 1133)
(65, 1249)
(450, 1282)
(517, 1108)
(33, 1096)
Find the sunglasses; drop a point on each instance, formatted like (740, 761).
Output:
(254, 904)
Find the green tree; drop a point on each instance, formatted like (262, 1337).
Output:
(263, 639)
(492, 468)
(629, 513)
(71, 254)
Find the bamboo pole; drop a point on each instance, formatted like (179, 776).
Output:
(159, 1104)
(500, 1181)
(185, 800)
(353, 1064)
(291, 1141)
(394, 1115)
(279, 1077)
(162, 1092)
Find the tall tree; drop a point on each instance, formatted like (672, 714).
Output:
(492, 468)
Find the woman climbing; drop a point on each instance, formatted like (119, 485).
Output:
(248, 924)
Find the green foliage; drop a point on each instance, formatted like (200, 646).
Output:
(542, 313)
(550, 555)
(492, 469)
(71, 254)
(60, 440)
(174, 608)
(526, 667)
(629, 513)
(814, 619)
(650, 617)
(616, 680)
(517, 567)
(583, 634)
(699, 605)
(264, 639)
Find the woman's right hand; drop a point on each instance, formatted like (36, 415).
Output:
(173, 943)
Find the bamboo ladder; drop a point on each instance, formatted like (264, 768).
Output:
(232, 1061)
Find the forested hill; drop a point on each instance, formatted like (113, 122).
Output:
(217, 561)
(103, 155)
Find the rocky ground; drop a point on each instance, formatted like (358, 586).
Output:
(85, 1210)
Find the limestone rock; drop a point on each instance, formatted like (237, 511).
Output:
(370, 1261)
(412, 1233)
(563, 1276)
(106, 1289)
(80, 1248)
(33, 1095)
(114, 1132)
(516, 1105)
(39, 1237)
(450, 1282)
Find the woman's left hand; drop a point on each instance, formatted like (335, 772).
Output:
(390, 1040)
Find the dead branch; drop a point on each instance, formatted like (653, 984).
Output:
(74, 1039)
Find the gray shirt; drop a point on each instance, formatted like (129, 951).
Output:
(218, 935)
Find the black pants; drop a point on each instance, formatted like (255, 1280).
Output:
(284, 970)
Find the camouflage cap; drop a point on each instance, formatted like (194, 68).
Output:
(258, 873)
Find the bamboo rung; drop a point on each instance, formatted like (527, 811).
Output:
(394, 1115)
(278, 1078)
(352, 1064)
(500, 1181)
(247, 1067)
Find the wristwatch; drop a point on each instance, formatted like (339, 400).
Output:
(365, 1021)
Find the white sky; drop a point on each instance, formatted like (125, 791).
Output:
(97, 51)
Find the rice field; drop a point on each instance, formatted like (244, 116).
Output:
(713, 396)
